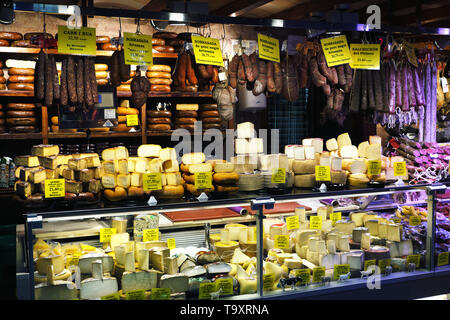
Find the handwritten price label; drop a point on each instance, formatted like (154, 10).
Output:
(318, 274)
(281, 241)
(292, 223)
(150, 235)
(443, 259)
(400, 169)
(340, 269)
(151, 181)
(105, 234)
(315, 222)
(160, 293)
(374, 167)
(54, 188)
(323, 173)
(279, 175)
(304, 274)
(203, 180)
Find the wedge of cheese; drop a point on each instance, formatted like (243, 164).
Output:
(45, 150)
(373, 152)
(304, 180)
(362, 149)
(358, 166)
(167, 154)
(375, 140)
(155, 165)
(344, 140)
(186, 107)
(332, 144)
(27, 161)
(245, 130)
(348, 151)
(149, 150)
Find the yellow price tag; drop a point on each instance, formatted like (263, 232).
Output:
(114, 296)
(203, 180)
(150, 234)
(135, 295)
(226, 284)
(340, 269)
(160, 294)
(323, 173)
(171, 243)
(383, 263)
(414, 221)
(137, 49)
(315, 222)
(72, 259)
(207, 51)
(80, 41)
(318, 274)
(413, 258)
(410, 53)
(335, 216)
(151, 181)
(400, 169)
(105, 234)
(268, 280)
(292, 223)
(304, 274)
(365, 56)
(55, 188)
(374, 167)
(336, 50)
(396, 220)
(132, 120)
(281, 241)
(268, 48)
(369, 263)
(205, 290)
(443, 259)
(279, 175)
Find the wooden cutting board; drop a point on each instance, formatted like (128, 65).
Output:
(285, 207)
(203, 214)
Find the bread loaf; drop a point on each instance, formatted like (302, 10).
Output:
(122, 111)
(116, 194)
(107, 47)
(170, 192)
(4, 43)
(163, 49)
(124, 87)
(101, 67)
(102, 82)
(101, 74)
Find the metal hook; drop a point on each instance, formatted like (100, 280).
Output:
(120, 27)
(138, 25)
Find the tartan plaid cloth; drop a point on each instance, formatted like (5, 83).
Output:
(289, 118)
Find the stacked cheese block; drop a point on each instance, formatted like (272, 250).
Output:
(2, 77)
(209, 115)
(20, 78)
(2, 119)
(186, 116)
(101, 74)
(231, 237)
(160, 77)
(159, 120)
(104, 43)
(192, 163)
(224, 177)
(123, 111)
(21, 117)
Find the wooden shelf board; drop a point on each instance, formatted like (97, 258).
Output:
(111, 134)
(173, 94)
(21, 136)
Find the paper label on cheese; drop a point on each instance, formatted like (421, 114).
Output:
(55, 188)
(318, 274)
(203, 180)
(323, 173)
(171, 244)
(315, 222)
(414, 220)
(374, 167)
(340, 269)
(207, 51)
(205, 290)
(105, 234)
(410, 53)
(383, 263)
(281, 241)
(292, 223)
(150, 234)
(413, 258)
(72, 259)
(336, 50)
(151, 181)
(369, 263)
(396, 220)
(443, 259)
(80, 41)
(304, 274)
(400, 169)
(365, 56)
(226, 284)
(268, 48)
(268, 280)
(137, 49)
(335, 216)
(279, 175)
(114, 296)
(135, 295)
(132, 120)
(160, 294)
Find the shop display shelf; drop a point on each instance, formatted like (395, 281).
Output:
(21, 136)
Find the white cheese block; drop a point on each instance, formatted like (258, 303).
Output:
(301, 250)
(136, 179)
(186, 107)
(141, 280)
(223, 167)
(300, 212)
(173, 178)
(332, 144)
(299, 152)
(122, 166)
(394, 232)
(225, 235)
(95, 288)
(310, 153)
(143, 259)
(256, 145)
(304, 235)
(304, 166)
(338, 177)
(109, 181)
(313, 244)
(239, 257)
(200, 167)
(304, 180)
(277, 229)
(246, 130)
(118, 239)
(344, 140)
(336, 163)
(241, 146)
(362, 149)
(365, 241)
(289, 150)
(175, 282)
(358, 218)
(317, 143)
(141, 165)
(373, 152)
(167, 154)
(406, 247)
(393, 248)
(348, 152)
(193, 158)
(328, 260)
(155, 165)
(346, 227)
(307, 142)
(293, 263)
(382, 230)
(359, 180)
(375, 140)
(235, 230)
(86, 260)
(123, 180)
(171, 166)
(372, 225)
(343, 243)
(149, 150)
(356, 261)
(325, 161)
(358, 166)
(56, 261)
(331, 246)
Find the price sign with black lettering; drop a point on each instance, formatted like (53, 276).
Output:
(268, 48)
(207, 51)
(78, 41)
(304, 274)
(340, 269)
(54, 188)
(137, 49)
(318, 274)
(443, 259)
(160, 294)
(105, 234)
(279, 175)
(336, 50)
(151, 181)
(135, 295)
(315, 222)
(203, 180)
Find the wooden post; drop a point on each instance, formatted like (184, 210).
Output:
(44, 113)
(144, 123)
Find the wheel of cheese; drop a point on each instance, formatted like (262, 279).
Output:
(159, 68)
(158, 42)
(211, 120)
(124, 87)
(21, 106)
(159, 88)
(225, 178)
(185, 120)
(5, 35)
(29, 35)
(101, 67)
(102, 82)
(2, 79)
(163, 49)
(207, 126)
(159, 127)
(159, 120)
(21, 86)
(209, 114)
(220, 188)
(159, 74)
(21, 79)
(186, 114)
(170, 192)
(159, 113)
(165, 35)
(4, 43)
(160, 81)
(189, 127)
(189, 178)
(122, 119)
(208, 107)
(116, 194)
(102, 39)
(122, 127)
(24, 44)
(22, 129)
(2, 86)
(101, 74)
(122, 111)
(195, 191)
(108, 47)
(21, 121)
(21, 71)
(135, 192)
(19, 114)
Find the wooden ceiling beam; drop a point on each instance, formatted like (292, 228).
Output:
(155, 6)
(239, 7)
(426, 16)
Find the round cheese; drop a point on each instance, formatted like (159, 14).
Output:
(304, 180)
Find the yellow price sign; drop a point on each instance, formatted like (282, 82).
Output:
(340, 269)
(207, 51)
(72, 259)
(281, 241)
(323, 173)
(268, 48)
(279, 175)
(226, 284)
(135, 295)
(413, 258)
(443, 259)
(400, 169)
(414, 221)
(132, 120)
(292, 223)
(304, 274)
(383, 263)
(365, 56)
(55, 188)
(150, 234)
(105, 234)
(171, 244)
(205, 290)
(137, 49)
(203, 180)
(151, 181)
(396, 220)
(80, 41)
(315, 222)
(114, 296)
(374, 167)
(318, 274)
(268, 281)
(335, 216)
(410, 53)
(160, 294)
(336, 50)
(369, 263)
